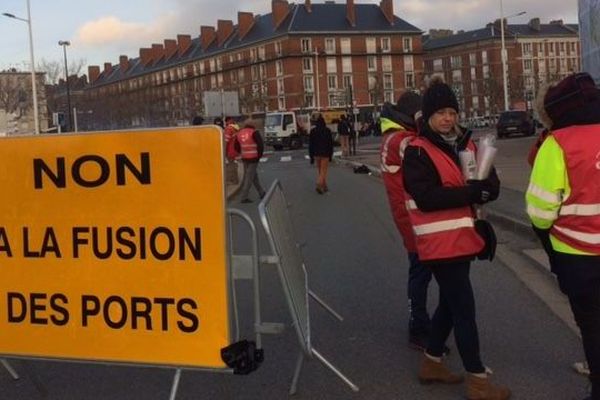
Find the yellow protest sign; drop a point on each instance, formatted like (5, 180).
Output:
(113, 247)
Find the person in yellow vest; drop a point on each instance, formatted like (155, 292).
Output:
(250, 145)
(440, 204)
(563, 203)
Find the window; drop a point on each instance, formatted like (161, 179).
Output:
(484, 58)
(527, 65)
(562, 48)
(486, 71)
(386, 63)
(472, 59)
(213, 82)
(329, 45)
(387, 82)
(347, 81)
(288, 120)
(409, 80)
(308, 83)
(457, 75)
(371, 44)
(473, 74)
(551, 48)
(241, 75)
(345, 45)
(309, 101)
(253, 55)
(385, 45)
(281, 103)
(307, 64)
(346, 64)
(473, 88)
(306, 46)
(408, 63)
(541, 49)
(407, 44)
(254, 69)
(263, 71)
(331, 82)
(388, 96)
(438, 65)
(220, 79)
(279, 67)
(475, 103)
(527, 49)
(278, 48)
(456, 61)
(331, 65)
(211, 64)
(232, 77)
(261, 52)
(371, 63)
(280, 88)
(573, 48)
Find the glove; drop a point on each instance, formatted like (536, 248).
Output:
(481, 190)
(486, 231)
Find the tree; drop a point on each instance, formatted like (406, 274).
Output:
(14, 97)
(55, 70)
(492, 89)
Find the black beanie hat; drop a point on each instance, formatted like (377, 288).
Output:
(437, 96)
(409, 103)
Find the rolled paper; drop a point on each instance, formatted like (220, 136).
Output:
(468, 164)
(485, 160)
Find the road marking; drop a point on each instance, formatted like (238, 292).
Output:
(286, 158)
(337, 154)
(264, 159)
(306, 157)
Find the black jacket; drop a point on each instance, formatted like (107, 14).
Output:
(422, 180)
(320, 142)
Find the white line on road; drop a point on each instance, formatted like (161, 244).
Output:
(264, 159)
(286, 158)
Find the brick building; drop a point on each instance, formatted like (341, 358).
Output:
(471, 62)
(298, 57)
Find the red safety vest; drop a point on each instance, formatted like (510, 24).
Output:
(578, 222)
(229, 132)
(444, 234)
(247, 143)
(392, 153)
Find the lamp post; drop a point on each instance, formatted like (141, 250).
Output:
(64, 44)
(503, 54)
(316, 53)
(36, 120)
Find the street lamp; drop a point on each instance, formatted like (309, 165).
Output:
(64, 44)
(36, 120)
(503, 54)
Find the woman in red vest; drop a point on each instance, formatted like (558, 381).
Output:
(440, 206)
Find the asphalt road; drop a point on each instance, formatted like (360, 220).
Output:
(356, 263)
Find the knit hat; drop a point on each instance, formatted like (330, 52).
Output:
(409, 103)
(437, 96)
(572, 93)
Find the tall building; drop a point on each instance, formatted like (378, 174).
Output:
(298, 57)
(471, 62)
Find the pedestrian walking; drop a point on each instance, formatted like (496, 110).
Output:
(563, 203)
(320, 150)
(440, 207)
(351, 136)
(249, 143)
(399, 127)
(343, 130)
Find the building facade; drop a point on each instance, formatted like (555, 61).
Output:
(16, 103)
(471, 62)
(298, 57)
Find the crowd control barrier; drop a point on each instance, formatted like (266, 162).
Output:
(287, 256)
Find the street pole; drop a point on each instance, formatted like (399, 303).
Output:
(503, 58)
(317, 79)
(36, 119)
(75, 127)
(64, 44)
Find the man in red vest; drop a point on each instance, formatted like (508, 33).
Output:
(250, 145)
(563, 203)
(399, 127)
(440, 208)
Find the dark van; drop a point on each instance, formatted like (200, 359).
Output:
(511, 122)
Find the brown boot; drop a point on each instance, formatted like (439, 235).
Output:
(482, 389)
(432, 371)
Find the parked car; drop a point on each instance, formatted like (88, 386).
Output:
(511, 122)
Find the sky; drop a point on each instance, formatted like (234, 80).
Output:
(101, 30)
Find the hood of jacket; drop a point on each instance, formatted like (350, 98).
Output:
(393, 116)
(464, 135)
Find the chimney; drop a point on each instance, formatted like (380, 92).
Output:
(124, 63)
(158, 52)
(350, 14)
(387, 7)
(183, 43)
(107, 68)
(245, 22)
(93, 73)
(557, 22)
(280, 10)
(308, 6)
(145, 56)
(170, 48)
(207, 36)
(224, 30)
(534, 24)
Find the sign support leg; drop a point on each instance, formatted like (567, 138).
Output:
(9, 368)
(335, 370)
(297, 370)
(325, 306)
(175, 385)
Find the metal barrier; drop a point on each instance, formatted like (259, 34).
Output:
(275, 218)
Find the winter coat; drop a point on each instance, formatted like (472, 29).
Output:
(320, 142)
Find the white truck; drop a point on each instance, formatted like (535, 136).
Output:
(286, 129)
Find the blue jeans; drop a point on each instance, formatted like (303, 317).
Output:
(418, 281)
